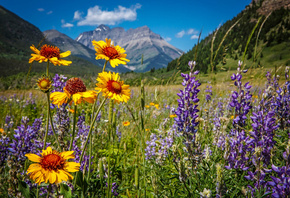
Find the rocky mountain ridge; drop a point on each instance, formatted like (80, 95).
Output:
(268, 6)
(66, 43)
(157, 52)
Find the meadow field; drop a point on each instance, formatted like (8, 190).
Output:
(208, 135)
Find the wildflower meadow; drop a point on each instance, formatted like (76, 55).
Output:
(112, 140)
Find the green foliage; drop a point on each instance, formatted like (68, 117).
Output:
(274, 31)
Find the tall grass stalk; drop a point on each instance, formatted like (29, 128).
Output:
(223, 39)
(249, 39)
(74, 128)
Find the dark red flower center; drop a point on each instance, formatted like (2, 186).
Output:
(49, 51)
(52, 162)
(110, 52)
(75, 85)
(114, 86)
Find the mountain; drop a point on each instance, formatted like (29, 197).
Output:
(271, 35)
(16, 37)
(66, 43)
(156, 51)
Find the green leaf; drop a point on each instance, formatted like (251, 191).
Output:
(24, 189)
(65, 191)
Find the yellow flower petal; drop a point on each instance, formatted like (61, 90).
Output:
(33, 157)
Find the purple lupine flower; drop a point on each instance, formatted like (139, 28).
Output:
(8, 122)
(158, 147)
(62, 123)
(208, 95)
(240, 101)
(4, 144)
(24, 141)
(118, 133)
(58, 83)
(151, 147)
(115, 187)
(187, 109)
(280, 185)
(260, 147)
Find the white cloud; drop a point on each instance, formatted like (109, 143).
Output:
(180, 34)
(78, 15)
(96, 16)
(66, 25)
(167, 39)
(194, 36)
(50, 12)
(192, 31)
(40, 9)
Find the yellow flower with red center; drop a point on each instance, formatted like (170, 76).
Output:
(49, 53)
(44, 84)
(114, 54)
(111, 86)
(126, 123)
(52, 166)
(172, 115)
(75, 91)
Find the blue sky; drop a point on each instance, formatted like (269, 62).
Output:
(179, 21)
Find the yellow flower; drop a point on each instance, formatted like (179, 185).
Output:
(2, 131)
(172, 115)
(152, 103)
(147, 129)
(114, 54)
(75, 90)
(111, 86)
(126, 123)
(232, 117)
(71, 110)
(49, 53)
(147, 106)
(51, 166)
(157, 106)
(44, 84)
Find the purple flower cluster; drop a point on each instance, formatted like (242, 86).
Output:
(58, 83)
(260, 147)
(208, 96)
(4, 144)
(280, 185)
(25, 140)
(115, 187)
(158, 146)
(240, 101)
(187, 111)
(62, 123)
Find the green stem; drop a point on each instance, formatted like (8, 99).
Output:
(48, 191)
(90, 132)
(74, 128)
(105, 65)
(47, 69)
(91, 138)
(90, 156)
(51, 123)
(47, 123)
(37, 191)
(109, 177)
